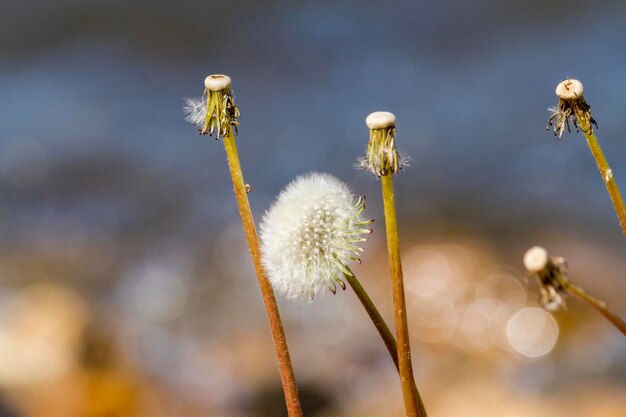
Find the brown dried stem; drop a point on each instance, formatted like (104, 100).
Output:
(278, 334)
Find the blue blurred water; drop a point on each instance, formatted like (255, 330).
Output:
(100, 86)
(104, 186)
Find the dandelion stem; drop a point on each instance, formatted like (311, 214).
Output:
(377, 319)
(278, 334)
(599, 305)
(407, 380)
(605, 171)
(381, 326)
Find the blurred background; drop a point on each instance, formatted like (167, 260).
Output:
(126, 288)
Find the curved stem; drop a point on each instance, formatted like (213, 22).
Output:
(278, 334)
(402, 329)
(381, 326)
(605, 171)
(377, 318)
(599, 305)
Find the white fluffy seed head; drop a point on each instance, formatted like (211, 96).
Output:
(569, 89)
(380, 120)
(310, 234)
(217, 82)
(536, 259)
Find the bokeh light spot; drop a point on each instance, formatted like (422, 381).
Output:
(532, 332)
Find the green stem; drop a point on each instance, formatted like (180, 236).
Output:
(381, 326)
(278, 334)
(599, 305)
(377, 318)
(605, 171)
(405, 368)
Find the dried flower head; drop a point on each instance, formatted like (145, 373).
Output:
(215, 111)
(381, 157)
(572, 107)
(310, 234)
(551, 274)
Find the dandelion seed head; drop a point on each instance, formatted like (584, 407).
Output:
(310, 234)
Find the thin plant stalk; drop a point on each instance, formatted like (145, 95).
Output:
(382, 327)
(605, 171)
(383, 160)
(573, 107)
(278, 334)
(405, 366)
(375, 316)
(599, 305)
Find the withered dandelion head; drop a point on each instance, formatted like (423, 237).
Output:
(310, 234)
(572, 107)
(381, 157)
(551, 275)
(215, 112)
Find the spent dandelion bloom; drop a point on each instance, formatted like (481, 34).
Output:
(572, 107)
(215, 112)
(310, 234)
(381, 157)
(551, 274)
(382, 160)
